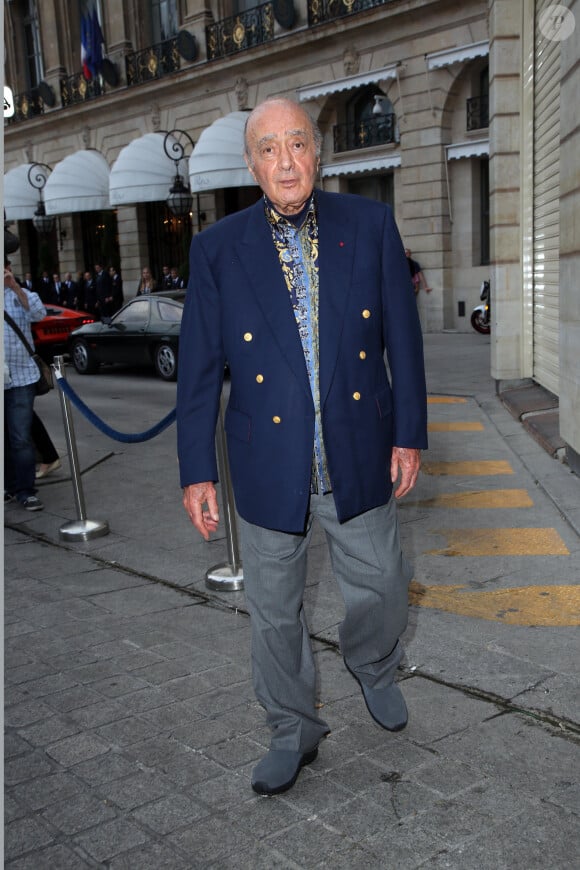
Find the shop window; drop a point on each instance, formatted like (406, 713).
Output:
(168, 240)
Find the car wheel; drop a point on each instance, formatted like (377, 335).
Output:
(166, 362)
(83, 358)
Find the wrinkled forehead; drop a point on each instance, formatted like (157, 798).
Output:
(278, 121)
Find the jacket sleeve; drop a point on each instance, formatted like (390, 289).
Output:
(200, 374)
(404, 343)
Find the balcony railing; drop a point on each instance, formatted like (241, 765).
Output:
(477, 113)
(328, 10)
(152, 63)
(76, 89)
(28, 104)
(230, 35)
(364, 134)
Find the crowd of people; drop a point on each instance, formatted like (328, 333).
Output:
(99, 292)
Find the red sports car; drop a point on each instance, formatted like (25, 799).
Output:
(51, 333)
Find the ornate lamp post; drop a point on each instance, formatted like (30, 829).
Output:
(179, 199)
(37, 174)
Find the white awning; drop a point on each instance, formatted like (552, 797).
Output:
(370, 164)
(312, 92)
(80, 182)
(448, 56)
(142, 172)
(218, 158)
(477, 148)
(20, 197)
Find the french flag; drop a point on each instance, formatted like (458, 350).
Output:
(91, 44)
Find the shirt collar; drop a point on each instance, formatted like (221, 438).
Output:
(297, 220)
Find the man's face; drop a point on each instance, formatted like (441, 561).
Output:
(283, 155)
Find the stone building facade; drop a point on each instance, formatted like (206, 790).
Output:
(427, 104)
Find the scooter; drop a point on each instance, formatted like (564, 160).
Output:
(480, 316)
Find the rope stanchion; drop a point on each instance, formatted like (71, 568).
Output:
(81, 529)
(229, 575)
(126, 438)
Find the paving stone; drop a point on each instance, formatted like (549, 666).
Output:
(170, 813)
(12, 809)
(211, 840)
(78, 813)
(121, 685)
(78, 748)
(260, 857)
(235, 753)
(26, 767)
(96, 714)
(164, 671)
(170, 716)
(26, 713)
(25, 835)
(449, 778)
(128, 731)
(48, 685)
(105, 768)
(309, 842)
(189, 687)
(222, 791)
(111, 839)
(46, 790)
(153, 857)
(14, 744)
(57, 857)
(54, 728)
(221, 700)
(138, 789)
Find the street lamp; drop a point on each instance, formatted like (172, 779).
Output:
(180, 198)
(43, 222)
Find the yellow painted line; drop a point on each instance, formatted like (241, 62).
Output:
(455, 427)
(493, 498)
(528, 605)
(501, 542)
(481, 467)
(445, 400)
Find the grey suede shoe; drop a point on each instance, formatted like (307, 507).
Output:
(386, 705)
(279, 769)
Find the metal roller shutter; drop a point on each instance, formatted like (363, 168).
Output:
(546, 239)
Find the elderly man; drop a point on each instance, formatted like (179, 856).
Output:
(302, 293)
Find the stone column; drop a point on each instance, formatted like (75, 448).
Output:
(54, 42)
(132, 231)
(197, 14)
(506, 160)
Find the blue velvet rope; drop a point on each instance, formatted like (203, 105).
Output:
(108, 430)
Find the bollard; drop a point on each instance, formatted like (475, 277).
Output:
(229, 575)
(80, 529)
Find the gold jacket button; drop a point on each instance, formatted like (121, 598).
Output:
(277, 419)
(248, 336)
(356, 396)
(260, 378)
(366, 313)
(363, 354)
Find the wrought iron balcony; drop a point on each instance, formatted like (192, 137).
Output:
(28, 104)
(477, 113)
(76, 89)
(328, 10)
(153, 62)
(378, 130)
(230, 35)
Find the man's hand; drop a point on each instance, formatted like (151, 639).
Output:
(194, 497)
(407, 461)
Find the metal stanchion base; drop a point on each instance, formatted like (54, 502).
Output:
(223, 577)
(83, 530)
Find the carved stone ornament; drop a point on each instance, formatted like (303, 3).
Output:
(351, 61)
(29, 150)
(86, 136)
(155, 117)
(241, 91)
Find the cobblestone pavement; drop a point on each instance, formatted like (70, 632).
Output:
(131, 725)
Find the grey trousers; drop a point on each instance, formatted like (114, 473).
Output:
(373, 576)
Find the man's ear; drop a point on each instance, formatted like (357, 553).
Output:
(250, 170)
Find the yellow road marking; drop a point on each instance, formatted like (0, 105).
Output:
(445, 400)
(501, 542)
(481, 467)
(455, 427)
(531, 605)
(493, 498)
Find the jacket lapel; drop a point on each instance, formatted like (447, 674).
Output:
(259, 259)
(336, 239)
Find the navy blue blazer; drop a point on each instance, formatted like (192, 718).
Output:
(238, 309)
